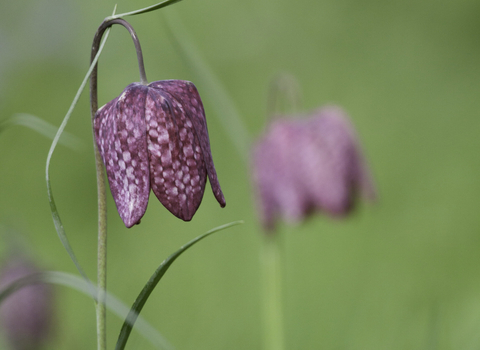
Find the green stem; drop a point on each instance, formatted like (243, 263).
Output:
(101, 184)
(284, 96)
(101, 253)
(272, 296)
(102, 226)
(107, 23)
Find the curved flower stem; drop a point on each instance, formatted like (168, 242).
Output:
(101, 184)
(96, 42)
(284, 96)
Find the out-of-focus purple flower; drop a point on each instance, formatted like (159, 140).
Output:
(155, 137)
(304, 165)
(26, 316)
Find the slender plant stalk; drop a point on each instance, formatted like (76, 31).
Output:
(284, 96)
(272, 295)
(101, 253)
(101, 183)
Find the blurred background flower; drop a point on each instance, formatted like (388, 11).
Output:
(26, 316)
(309, 164)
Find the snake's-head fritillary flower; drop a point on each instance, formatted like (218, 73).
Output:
(155, 137)
(26, 315)
(304, 165)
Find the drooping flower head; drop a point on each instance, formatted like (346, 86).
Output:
(304, 165)
(26, 316)
(155, 137)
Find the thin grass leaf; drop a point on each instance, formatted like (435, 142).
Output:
(225, 109)
(56, 217)
(42, 127)
(152, 283)
(114, 304)
(144, 10)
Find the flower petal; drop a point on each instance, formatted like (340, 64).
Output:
(186, 93)
(348, 172)
(177, 169)
(277, 176)
(120, 132)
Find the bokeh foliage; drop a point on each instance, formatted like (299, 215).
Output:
(401, 274)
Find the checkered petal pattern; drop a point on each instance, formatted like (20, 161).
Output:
(155, 137)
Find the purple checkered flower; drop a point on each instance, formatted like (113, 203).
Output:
(155, 137)
(304, 165)
(26, 315)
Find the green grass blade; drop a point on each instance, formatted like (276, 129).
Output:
(55, 215)
(152, 283)
(113, 304)
(145, 9)
(42, 127)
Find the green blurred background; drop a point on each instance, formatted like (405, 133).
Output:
(402, 274)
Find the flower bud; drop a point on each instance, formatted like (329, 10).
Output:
(155, 137)
(26, 315)
(306, 165)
